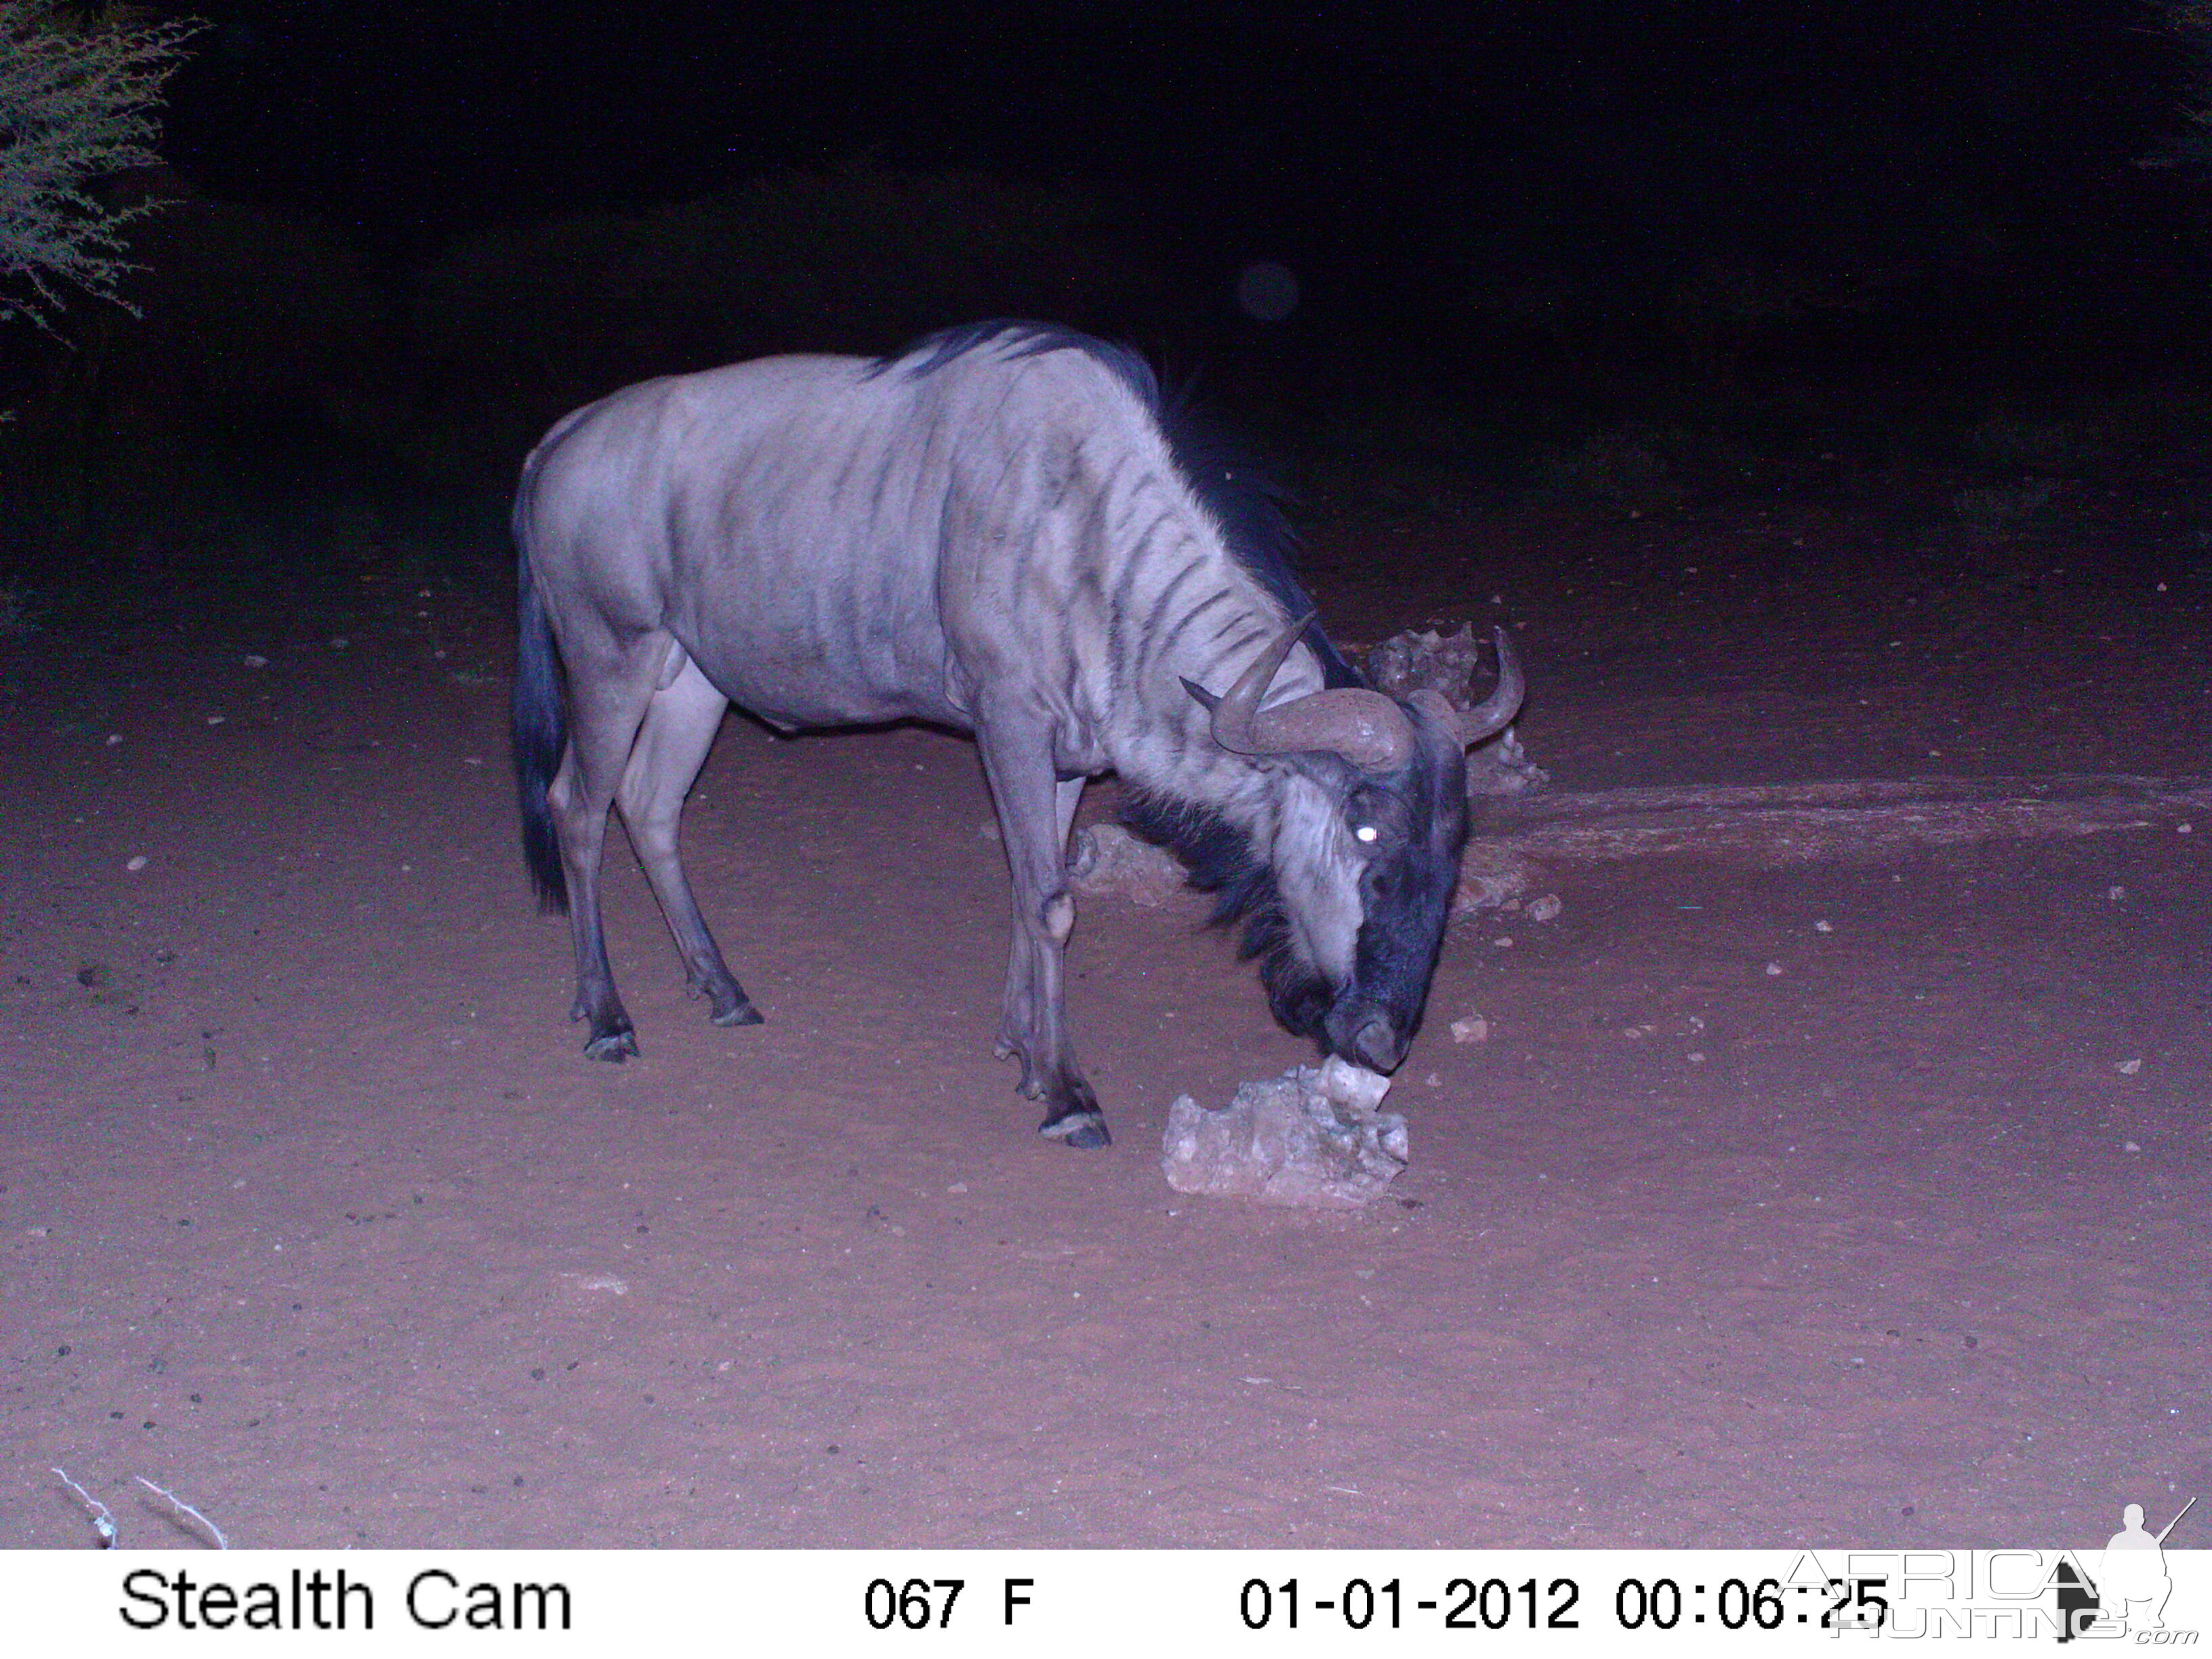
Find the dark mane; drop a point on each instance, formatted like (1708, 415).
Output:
(1022, 339)
(1230, 480)
(1221, 862)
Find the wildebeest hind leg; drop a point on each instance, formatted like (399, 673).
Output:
(679, 728)
(610, 688)
(1034, 810)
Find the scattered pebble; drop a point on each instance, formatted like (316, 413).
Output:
(339, 642)
(1503, 942)
(2116, 894)
(255, 660)
(1824, 927)
(1435, 1080)
(138, 862)
(2180, 828)
(215, 719)
(2130, 1146)
(1697, 1056)
(1774, 970)
(2129, 1068)
(957, 1187)
(1544, 908)
(1473, 1028)
(114, 738)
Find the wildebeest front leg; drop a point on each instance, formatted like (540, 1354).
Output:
(1034, 808)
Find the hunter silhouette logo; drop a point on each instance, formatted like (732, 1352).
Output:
(2131, 1585)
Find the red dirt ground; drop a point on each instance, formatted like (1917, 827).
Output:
(312, 1210)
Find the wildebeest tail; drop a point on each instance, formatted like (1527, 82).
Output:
(540, 733)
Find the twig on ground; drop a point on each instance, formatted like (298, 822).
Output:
(183, 1508)
(102, 1518)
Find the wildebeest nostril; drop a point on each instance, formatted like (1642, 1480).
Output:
(1378, 1046)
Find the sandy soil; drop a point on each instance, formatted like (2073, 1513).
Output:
(1861, 1200)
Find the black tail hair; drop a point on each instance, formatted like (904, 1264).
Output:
(540, 733)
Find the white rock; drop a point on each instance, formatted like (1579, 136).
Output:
(1473, 1028)
(1310, 1137)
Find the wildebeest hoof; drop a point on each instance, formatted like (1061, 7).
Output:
(616, 1046)
(1077, 1128)
(744, 1014)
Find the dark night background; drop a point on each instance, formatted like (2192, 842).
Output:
(409, 236)
(1810, 1122)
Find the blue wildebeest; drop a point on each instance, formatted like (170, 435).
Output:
(1004, 530)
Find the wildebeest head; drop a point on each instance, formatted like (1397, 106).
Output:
(1348, 910)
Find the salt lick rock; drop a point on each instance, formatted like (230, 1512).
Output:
(1313, 1136)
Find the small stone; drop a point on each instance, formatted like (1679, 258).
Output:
(2129, 1068)
(1824, 927)
(1697, 1057)
(339, 642)
(2116, 893)
(957, 1187)
(114, 738)
(1473, 1028)
(215, 719)
(137, 862)
(1105, 860)
(2130, 1146)
(1545, 909)
(1774, 970)
(255, 660)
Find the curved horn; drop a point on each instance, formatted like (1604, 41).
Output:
(1496, 712)
(1364, 727)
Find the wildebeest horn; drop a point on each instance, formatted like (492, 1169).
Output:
(1496, 712)
(1365, 727)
